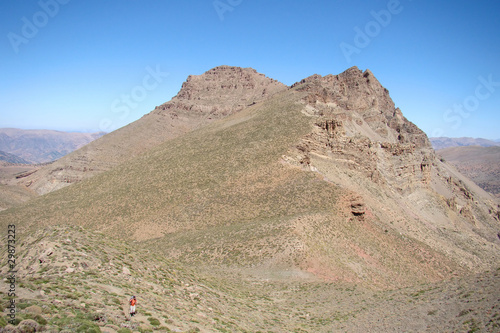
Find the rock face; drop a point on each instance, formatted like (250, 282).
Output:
(222, 91)
(203, 98)
(358, 125)
(362, 142)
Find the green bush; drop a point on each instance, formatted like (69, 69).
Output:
(88, 327)
(22, 306)
(39, 319)
(3, 322)
(154, 321)
(28, 326)
(124, 330)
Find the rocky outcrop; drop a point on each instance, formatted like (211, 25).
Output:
(358, 207)
(360, 140)
(358, 97)
(358, 126)
(221, 91)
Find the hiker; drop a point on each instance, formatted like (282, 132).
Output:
(132, 302)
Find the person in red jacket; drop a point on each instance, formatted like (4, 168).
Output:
(132, 302)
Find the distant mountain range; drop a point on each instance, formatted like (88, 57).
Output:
(11, 158)
(40, 146)
(444, 142)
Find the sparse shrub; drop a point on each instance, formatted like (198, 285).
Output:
(88, 327)
(22, 306)
(16, 321)
(81, 323)
(124, 330)
(464, 312)
(9, 329)
(41, 320)
(28, 326)
(99, 317)
(34, 309)
(154, 321)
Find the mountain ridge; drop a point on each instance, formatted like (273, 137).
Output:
(42, 146)
(169, 120)
(445, 142)
(327, 177)
(11, 158)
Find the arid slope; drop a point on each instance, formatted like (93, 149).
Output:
(325, 180)
(481, 164)
(202, 99)
(74, 279)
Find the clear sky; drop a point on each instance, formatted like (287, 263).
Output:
(95, 65)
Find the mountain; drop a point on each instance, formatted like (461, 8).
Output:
(329, 151)
(286, 211)
(11, 158)
(481, 164)
(201, 100)
(41, 146)
(444, 142)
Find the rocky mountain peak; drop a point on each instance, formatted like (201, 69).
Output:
(361, 98)
(223, 90)
(359, 127)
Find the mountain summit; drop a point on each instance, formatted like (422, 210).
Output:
(222, 91)
(203, 98)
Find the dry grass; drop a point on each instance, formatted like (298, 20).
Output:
(175, 297)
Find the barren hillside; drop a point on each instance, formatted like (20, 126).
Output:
(41, 146)
(293, 208)
(481, 164)
(78, 280)
(11, 158)
(202, 99)
(327, 177)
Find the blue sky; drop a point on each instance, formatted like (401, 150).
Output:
(93, 65)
